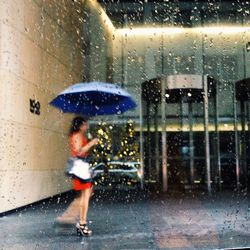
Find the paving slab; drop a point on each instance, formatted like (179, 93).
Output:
(133, 220)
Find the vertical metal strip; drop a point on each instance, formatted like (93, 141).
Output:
(157, 165)
(217, 134)
(206, 123)
(236, 139)
(141, 142)
(148, 142)
(248, 144)
(243, 140)
(164, 138)
(181, 118)
(191, 142)
(163, 124)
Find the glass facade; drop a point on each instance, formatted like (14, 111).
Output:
(154, 40)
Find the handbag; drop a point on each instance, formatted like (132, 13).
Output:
(79, 168)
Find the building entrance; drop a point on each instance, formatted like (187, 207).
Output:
(181, 135)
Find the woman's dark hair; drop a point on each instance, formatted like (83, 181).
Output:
(76, 124)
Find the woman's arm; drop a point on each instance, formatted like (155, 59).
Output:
(78, 147)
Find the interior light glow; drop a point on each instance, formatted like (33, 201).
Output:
(223, 29)
(149, 31)
(196, 127)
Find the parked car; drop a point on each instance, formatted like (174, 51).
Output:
(117, 174)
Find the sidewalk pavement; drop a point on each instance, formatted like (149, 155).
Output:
(133, 220)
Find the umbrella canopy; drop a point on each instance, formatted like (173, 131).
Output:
(94, 98)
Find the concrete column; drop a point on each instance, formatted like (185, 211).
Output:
(101, 35)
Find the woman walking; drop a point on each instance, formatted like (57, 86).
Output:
(79, 147)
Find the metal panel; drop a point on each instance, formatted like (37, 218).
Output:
(184, 82)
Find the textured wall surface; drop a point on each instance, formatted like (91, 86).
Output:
(45, 45)
(40, 55)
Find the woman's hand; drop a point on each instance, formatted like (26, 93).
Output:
(94, 142)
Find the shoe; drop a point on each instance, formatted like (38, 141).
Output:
(83, 230)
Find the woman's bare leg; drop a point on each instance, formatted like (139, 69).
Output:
(84, 204)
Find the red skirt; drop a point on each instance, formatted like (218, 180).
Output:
(78, 185)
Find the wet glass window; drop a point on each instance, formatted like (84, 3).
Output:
(125, 124)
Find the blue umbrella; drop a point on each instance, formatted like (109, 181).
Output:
(94, 98)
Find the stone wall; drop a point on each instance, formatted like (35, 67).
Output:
(40, 54)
